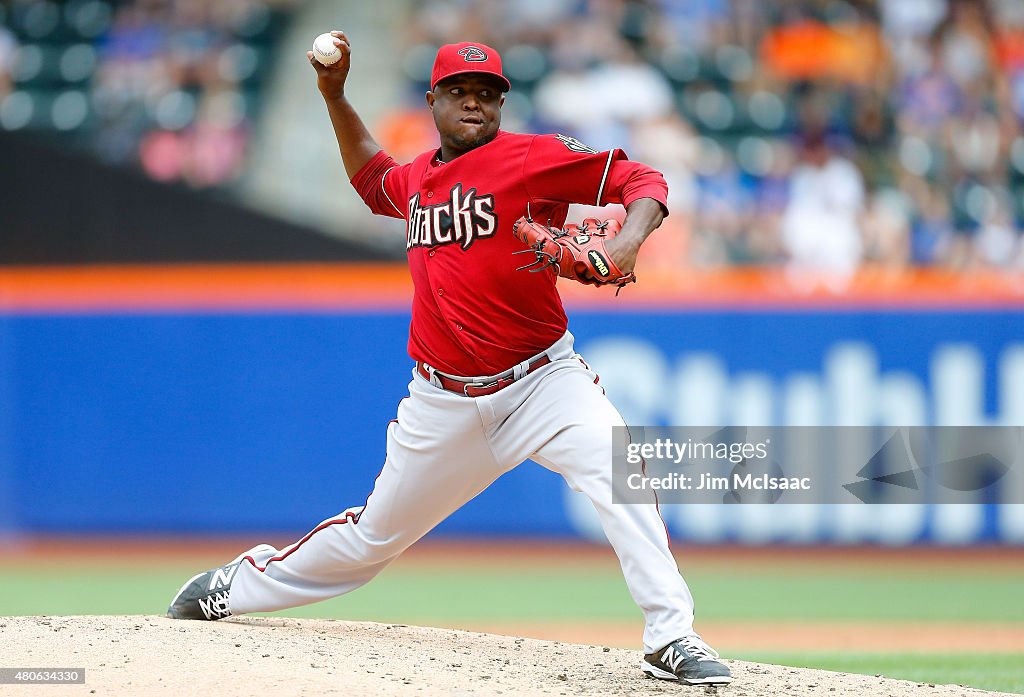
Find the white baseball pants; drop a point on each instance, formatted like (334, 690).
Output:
(444, 449)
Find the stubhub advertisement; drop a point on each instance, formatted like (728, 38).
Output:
(227, 422)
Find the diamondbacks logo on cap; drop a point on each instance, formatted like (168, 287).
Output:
(472, 54)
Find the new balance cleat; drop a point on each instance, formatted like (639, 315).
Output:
(205, 596)
(688, 660)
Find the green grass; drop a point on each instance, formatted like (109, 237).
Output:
(417, 596)
(426, 594)
(919, 595)
(996, 671)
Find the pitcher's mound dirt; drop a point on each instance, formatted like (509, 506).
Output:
(145, 655)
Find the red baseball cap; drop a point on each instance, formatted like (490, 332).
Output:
(467, 57)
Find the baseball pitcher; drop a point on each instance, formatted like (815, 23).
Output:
(495, 378)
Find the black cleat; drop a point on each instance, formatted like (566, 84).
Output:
(688, 660)
(205, 595)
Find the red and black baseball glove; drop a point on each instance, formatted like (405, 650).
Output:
(576, 251)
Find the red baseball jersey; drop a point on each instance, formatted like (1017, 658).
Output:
(473, 314)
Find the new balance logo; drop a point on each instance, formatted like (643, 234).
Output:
(672, 658)
(215, 606)
(221, 578)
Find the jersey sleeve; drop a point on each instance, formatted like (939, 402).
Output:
(560, 168)
(382, 184)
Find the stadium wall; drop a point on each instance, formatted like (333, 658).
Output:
(227, 399)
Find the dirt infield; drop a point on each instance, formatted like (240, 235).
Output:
(142, 655)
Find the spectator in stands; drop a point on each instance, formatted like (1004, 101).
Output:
(996, 243)
(931, 227)
(886, 229)
(821, 225)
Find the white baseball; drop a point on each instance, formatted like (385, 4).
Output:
(325, 51)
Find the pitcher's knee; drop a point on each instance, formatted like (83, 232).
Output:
(368, 549)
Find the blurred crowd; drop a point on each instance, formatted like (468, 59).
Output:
(167, 85)
(822, 134)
